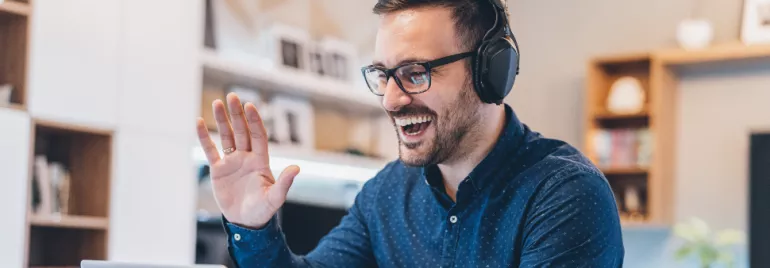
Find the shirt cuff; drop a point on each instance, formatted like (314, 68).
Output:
(252, 241)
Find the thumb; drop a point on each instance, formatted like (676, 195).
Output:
(281, 187)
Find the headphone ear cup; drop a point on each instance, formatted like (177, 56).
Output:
(478, 67)
(497, 70)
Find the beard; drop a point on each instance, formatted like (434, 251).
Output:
(457, 122)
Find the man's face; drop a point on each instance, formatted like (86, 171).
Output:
(449, 109)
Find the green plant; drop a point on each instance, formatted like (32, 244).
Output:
(707, 248)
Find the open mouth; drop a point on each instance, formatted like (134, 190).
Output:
(414, 125)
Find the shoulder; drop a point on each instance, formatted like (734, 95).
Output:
(394, 177)
(561, 173)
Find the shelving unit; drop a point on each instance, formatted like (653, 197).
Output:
(64, 239)
(657, 71)
(14, 44)
(220, 69)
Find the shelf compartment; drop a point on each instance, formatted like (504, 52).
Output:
(70, 221)
(85, 153)
(13, 55)
(52, 246)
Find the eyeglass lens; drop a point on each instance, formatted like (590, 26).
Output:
(414, 78)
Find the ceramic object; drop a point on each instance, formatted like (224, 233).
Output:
(626, 96)
(694, 34)
(5, 94)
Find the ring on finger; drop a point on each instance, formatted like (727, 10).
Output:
(228, 150)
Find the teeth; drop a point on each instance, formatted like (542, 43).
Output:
(412, 120)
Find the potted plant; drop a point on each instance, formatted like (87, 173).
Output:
(709, 249)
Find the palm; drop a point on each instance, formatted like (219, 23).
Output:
(244, 187)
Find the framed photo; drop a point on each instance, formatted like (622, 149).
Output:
(287, 47)
(316, 60)
(755, 28)
(339, 57)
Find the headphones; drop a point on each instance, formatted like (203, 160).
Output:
(496, 62)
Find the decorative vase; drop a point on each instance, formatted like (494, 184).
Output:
(694, 34)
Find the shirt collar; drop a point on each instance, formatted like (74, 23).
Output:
(483, 174)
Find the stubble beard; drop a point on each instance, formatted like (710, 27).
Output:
(455, 132)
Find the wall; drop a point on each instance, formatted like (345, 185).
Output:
(557, 39)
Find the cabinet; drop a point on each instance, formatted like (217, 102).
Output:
(74, 61)
(14, 167)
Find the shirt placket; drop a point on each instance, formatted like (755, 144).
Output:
(451, 235)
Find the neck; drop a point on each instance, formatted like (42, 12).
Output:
(473, 148)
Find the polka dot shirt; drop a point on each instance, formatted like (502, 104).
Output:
(532, 202)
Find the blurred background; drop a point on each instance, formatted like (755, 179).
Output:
(98, 100)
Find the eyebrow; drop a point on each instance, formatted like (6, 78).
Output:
(402, 62)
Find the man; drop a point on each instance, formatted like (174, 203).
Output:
(474, 187)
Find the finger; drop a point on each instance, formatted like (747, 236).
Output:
(281, 187)
(257, 130)
(212, 155)
(240, 131)
(223, 125)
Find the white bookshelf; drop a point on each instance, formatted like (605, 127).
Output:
(263, 76)
(314, 165)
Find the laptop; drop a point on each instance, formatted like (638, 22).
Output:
(114, 264)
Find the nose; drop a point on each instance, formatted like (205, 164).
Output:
(394, 98)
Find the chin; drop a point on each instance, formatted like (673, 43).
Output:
(416, 154)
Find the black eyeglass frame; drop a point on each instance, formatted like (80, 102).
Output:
(428, 65)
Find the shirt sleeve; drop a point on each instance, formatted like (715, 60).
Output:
(573, 223)
(347, 245)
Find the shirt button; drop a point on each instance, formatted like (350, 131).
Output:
(237, 237)
(453, 219)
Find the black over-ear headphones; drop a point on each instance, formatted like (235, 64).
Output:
(496, 63)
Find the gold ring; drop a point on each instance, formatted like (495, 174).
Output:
(228, 150)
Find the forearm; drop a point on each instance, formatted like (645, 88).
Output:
(264, 247)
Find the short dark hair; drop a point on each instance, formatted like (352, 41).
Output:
(473, 18)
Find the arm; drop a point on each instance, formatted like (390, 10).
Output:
(249, 196)
(573, 223)
(347, 245)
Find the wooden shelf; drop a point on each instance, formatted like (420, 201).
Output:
(717, 53)
(84, 153)
(218, 69)
(624, 171)
(70, 221)
(17, 8)
(658, 72)
(613, 116)
(15, 106)
(48, 124)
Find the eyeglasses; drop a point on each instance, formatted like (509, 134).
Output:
(411, 78)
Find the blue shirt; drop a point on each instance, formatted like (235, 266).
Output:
(532, 202)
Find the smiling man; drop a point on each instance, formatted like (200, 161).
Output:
(474, 186)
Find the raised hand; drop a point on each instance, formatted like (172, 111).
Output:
(244, 187)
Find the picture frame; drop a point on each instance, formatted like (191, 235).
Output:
(755, 28)
(339, 58)
(286, 46)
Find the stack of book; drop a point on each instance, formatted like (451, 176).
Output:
(622, 148)
(51, 188)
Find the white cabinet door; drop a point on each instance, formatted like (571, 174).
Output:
(153, 198)
(160, 74)
(14, 174)
(74, 61)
